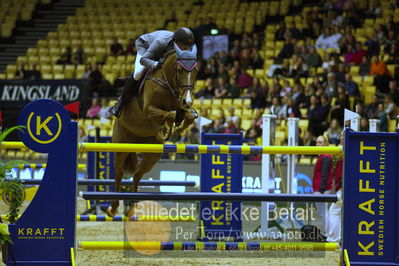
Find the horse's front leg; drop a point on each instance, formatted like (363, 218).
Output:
(161, 117)
(187, 121)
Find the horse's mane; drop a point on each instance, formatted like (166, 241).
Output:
(170, 60)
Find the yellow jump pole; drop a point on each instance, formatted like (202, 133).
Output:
(181, 148)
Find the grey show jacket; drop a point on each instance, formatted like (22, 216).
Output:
(152, 46)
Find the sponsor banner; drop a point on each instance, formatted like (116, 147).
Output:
(17, 93)
(221, 173)
(371, 198)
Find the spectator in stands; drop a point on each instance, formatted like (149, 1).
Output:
(331, 85)
(314, 116)
(66, 57)
(208, 91)
(276, 108)
(298, 96)
(286, 89)
(373, 44)
(233, 89)
(86, 74)
(256, 41)
(341, 103)
(291, 109)
(78, 56)
(94, 109)
(279, 35)
(391, 109)
(381, 74)
(131, 47)
(256, 60)
(221, 90)
(222, 73)
(324, 111)
(34, 73)
(372, 108)
(394, 91)
(359, 54)
(116, 48)
(236, 48)
(351, 87)
(96, 80)
(293, 31)
(21, 72)
(244, 79)
(231, 127)
(327, 62)
(364, 67)
(217, 126)
(393, 54)
(382, 116)
(255, 127)
(334, 132)
(328, 40)
(257, 100)
(104, 111)
(231, 115)
(364, 124)
(288, 49)
(313, 59)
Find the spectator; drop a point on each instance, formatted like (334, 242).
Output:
(327, 62)
(280, 32)
(364, 67)
(372, 108)
(244, 79)
(104, 111)
(340, 74)
(256, 128)
(324, 111)
(231, 115)
(116, 48)
(96, 80)
(217, 126)
(394, 91)
(86, 74)
(322, 179)
(313, 59)
(231, 127)
(277, 108)
(334, 132)
(257, 61)
(66, 57)
(373, 44)
(34, 73)
(382, 116)
(328, 40)
(291, 109)
(391, 109)
(331, 85)
(359, 54)
(233, 89)
(298, 96)
(257, 101)
(94, 109)
(221, 90)
(131, 47)
(341, 103)
(222, 73)
(350, 86)
(78, 56)
(21, 72)
(364, 124)
(208, 91)
(288, 49)
(381, 74)
(314, 116)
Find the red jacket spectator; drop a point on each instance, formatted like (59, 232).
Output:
(322, 177)
(244, 79)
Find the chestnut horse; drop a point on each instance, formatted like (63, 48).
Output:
(150, 116)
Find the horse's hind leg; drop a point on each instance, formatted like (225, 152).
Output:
(148, 162)
(119, 161)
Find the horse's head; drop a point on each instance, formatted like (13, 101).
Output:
(185, 72)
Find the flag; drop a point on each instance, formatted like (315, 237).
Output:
(73, 108)
(349, 115)
(204, 121)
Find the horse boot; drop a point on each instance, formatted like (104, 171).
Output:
(128, 91)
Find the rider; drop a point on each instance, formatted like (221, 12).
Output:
(150, 49)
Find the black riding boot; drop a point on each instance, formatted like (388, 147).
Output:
(128, 91)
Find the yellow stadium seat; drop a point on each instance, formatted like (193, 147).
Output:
(216, 102)
(369, 80)
(227, 102)
(47, 76)
(59, 76)
(69, 71)
(392, 125)
(238, 103)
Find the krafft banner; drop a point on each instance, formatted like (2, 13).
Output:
(371, 198)
(17, 93)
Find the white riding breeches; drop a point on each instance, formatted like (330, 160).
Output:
(138, 68)
(334, 216)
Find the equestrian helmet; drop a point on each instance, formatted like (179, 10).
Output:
(184, 36)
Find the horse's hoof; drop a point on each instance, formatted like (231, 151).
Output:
(110, 213)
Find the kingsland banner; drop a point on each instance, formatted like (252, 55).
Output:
(17, 93)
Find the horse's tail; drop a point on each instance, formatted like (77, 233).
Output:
(130, 165)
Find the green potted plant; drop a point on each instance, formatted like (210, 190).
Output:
(12, 189)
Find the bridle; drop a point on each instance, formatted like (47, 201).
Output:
(175, 90)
